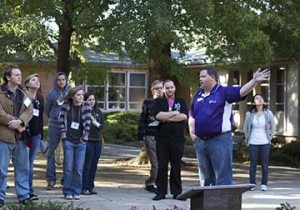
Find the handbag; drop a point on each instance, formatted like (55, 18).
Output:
(26, 137)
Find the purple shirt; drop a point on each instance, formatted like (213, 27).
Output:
(213, 113)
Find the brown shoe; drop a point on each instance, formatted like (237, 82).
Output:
(50, 185)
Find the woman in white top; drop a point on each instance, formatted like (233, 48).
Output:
(259, 128)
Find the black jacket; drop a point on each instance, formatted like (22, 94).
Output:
(146, 122)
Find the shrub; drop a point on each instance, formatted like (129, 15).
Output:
(50, 205)
(288, 155)
(121, 127)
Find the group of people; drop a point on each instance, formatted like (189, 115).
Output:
(162, 131)
(73, 118)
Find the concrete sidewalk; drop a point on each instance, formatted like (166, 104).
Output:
(120, 186)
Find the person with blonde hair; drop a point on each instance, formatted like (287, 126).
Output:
(74, 122)
(147, 130)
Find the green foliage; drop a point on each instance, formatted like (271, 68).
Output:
(286, 206)
(43, 206)
(281, 153)
(121, 127)
(287, 155)
(61, 29)
(90, 73)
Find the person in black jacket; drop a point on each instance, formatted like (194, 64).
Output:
(93, 147)
(33, 85)
(172, 113)
(146, 132)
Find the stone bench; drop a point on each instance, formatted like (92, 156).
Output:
(221, 197)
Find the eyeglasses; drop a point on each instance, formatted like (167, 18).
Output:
(157, 88)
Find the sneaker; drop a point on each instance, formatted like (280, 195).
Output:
(76, 197)
(34, 197)
(253, 188)
(263, 187)
(85, 192)
(68, 197)
(1, 203)
(151, 188)
(51, 185)
(93, 192)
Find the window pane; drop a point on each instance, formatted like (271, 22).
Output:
(280, 107)
(136, 94)
(279, 76)
(264, 93)
(137, 79)
(117, 79)
(100, 105)
(116, 94)
(116, 105)
(98, 91)
(280, 93)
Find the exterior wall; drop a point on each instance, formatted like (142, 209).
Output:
(292, 101)
(287, 121)
(46, 72)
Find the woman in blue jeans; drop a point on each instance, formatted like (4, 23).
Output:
(33, 85)
(259, 128)
(74, 121)
(93, 147)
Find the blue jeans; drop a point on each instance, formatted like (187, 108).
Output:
(32, 153)
(214, 158)
(92, 155)
(259, 153)
(53, 142)
(20, 153)
(74, 155)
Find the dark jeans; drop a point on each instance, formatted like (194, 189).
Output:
(92, 155)
(259, 153)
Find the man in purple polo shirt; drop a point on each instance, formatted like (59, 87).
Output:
(210, 123)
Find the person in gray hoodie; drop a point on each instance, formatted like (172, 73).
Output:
(54, 100)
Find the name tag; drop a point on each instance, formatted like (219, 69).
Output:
(36, 112)
(27, 102)
(75, 125)
(59, 102)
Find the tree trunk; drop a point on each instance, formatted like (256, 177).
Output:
(64, 43)
(141, 159)
(160, 62)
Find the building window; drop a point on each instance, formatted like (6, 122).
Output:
(98, 91)
(124, 90)
(137, 90)
(117, 91)
(263, 90)
(280, 89)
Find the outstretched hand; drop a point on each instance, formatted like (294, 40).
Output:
(261, 75)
